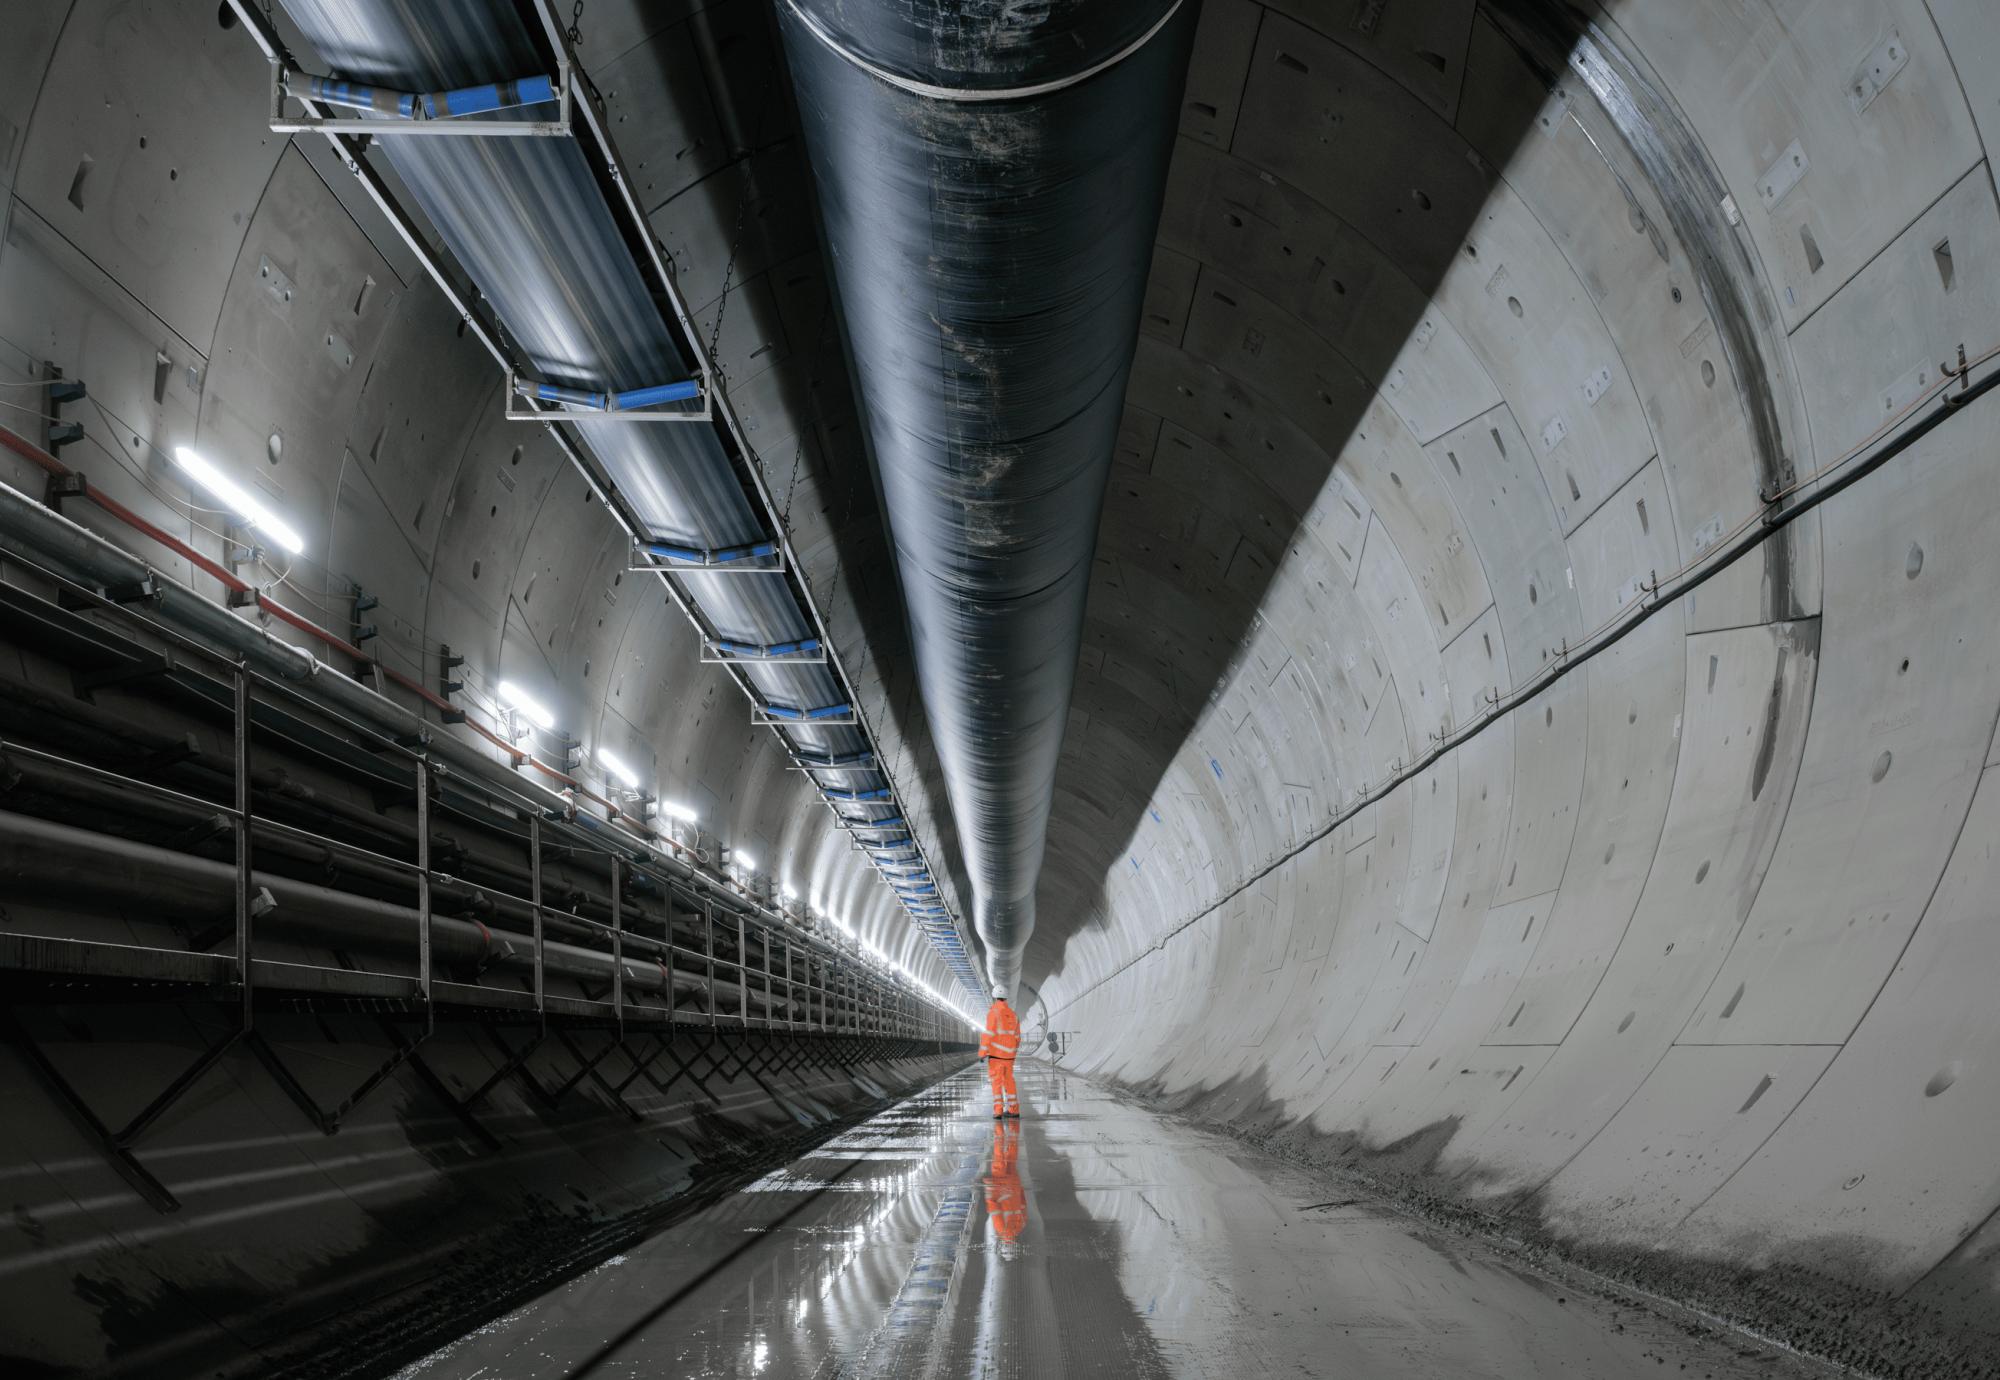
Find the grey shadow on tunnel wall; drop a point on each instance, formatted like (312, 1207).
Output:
(1215, 479)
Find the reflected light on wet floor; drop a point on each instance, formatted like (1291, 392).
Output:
(1092, 1237)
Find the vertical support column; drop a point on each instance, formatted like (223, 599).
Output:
(535, 902)
(791, 991)
(424, 891)
(708, 947)
(618, 947)
(244, 870)
(742, 972)
(767, 976)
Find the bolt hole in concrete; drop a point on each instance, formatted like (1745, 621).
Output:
(932, 1242)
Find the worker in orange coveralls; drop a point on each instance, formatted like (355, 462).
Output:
(1006, 1200)
(998, 1046)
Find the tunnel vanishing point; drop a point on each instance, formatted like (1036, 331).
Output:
(1418, 583)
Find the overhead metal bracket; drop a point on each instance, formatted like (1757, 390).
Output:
(451, 113)
(659, 402)
(716, 651)
(795, 716)
(665, 558)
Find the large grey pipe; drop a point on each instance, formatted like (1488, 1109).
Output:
(990, 175)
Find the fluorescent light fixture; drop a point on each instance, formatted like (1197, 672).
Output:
(238, 499)
(790, 892)
(686, 814)
(526, 705)
(615, 764)
(742, 861)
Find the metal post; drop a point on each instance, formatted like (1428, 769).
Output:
(535, 902)
(767, 978)
(618, 947)
(708, 946)
(791, 992)
(742, 972)
(424, 891)
(243, 861)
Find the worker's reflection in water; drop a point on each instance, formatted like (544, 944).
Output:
(1006, 1200)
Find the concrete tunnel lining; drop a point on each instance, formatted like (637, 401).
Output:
(1681, 971)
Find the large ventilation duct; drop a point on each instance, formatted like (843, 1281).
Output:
(990, 175)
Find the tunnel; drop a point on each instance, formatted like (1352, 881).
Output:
(1410, 584)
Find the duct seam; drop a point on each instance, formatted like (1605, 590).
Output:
(968, 95)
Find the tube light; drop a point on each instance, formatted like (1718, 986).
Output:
(529, 708)
(790, 892)
(686, 814)
(614, 764)
(742, 861)
(238, 499)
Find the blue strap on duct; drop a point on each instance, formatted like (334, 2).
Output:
(630, 400)
(722, 555)
(890, 822)
(431, 105)
(825, 711)
(879, 793)
(770, 650)
(834, 763)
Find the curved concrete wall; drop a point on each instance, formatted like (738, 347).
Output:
(1452, 345)
(1449, 353)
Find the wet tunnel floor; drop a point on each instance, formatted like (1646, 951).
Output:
(1094, 1237)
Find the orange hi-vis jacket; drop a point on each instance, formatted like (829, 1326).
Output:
(1002, 1039)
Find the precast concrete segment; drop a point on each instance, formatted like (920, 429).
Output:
(1618, 301)
(1094, 1237)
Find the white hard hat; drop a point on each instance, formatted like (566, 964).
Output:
(999, 993)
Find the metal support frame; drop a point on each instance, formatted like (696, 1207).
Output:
(535, 901)
(618, 949)
(245, 872)
(722, 651)
(671, 558)
(423, 773)
(591, 130)
(530, 400)
(445, 125)
(116, 1146)
(792, 716)
(329, 1121)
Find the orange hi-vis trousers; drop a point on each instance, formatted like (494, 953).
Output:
(1000, 1073)
(998, 1045)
